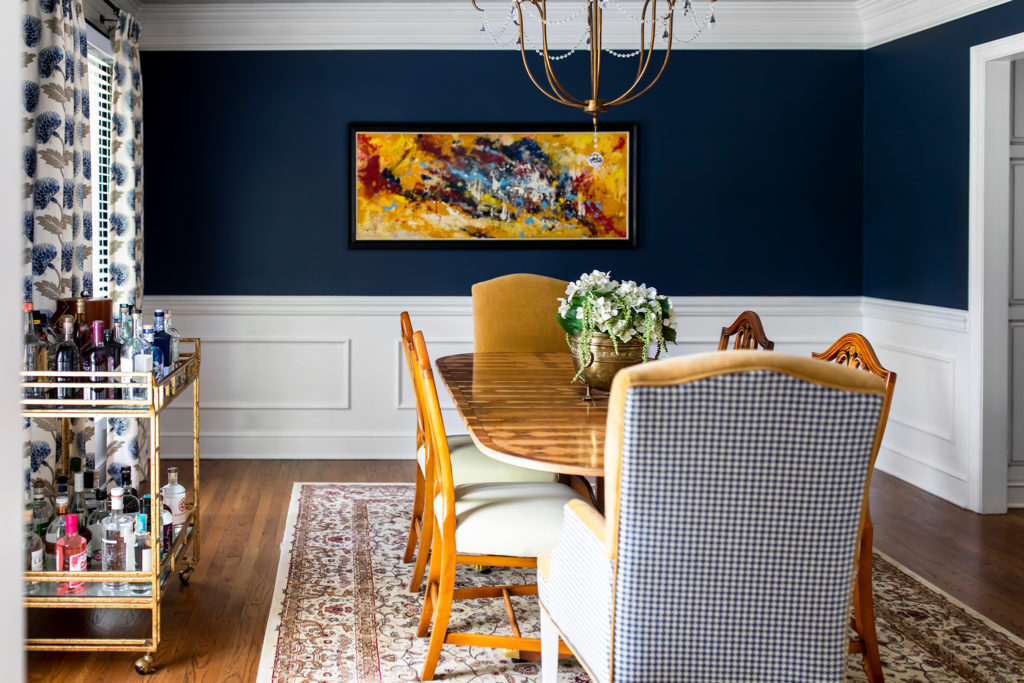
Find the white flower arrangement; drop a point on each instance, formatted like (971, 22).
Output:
(623, 310)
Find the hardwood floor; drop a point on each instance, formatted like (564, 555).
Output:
(213, 628)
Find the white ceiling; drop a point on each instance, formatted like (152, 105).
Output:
(454, 25)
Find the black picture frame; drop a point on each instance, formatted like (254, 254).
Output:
(357, 241)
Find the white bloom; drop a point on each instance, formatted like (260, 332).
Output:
(564, 308)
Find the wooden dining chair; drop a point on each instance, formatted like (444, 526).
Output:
(735, 483)
(854, 350)
(469, 465)
(749, 334)
(518, 313)
(482, 524)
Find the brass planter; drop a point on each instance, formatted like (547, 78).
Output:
(604, 362)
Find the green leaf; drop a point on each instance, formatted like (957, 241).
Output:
(669, 334)
(28, 255)
(27, 58)
(65, 284)
(52, 158)
(115, 196)
(54, 25)
(114, 246)
(47, 289)
(30, 123)
(50, 224)
(47, 425)
(113, 447)
(55, 92)
(28, 190)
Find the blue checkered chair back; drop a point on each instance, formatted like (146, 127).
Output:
(740, 501)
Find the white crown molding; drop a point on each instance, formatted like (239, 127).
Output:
(887, 20)
(454, 25)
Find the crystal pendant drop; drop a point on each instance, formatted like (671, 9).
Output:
(595, 159)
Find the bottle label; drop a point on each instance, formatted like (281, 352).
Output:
(36, 561)
(146, 560)
(76, 563)
(176, 504)
(143, 363)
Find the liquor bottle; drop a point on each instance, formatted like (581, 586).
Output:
(137, 356)
(159, 367)
(125, 332)
(174, 499)
(143, 552)
(175, 337)
(114, 357)
(96, 357)
(166, 528)
(42, 510)
(162, 340)
(82, 331)
(68, 360)
(54, 533)
(95, 523)
(118, 541)
(71, 557)
(130, 495)
(77, 506)
(37, 356)
(33, 549)
(90, 491)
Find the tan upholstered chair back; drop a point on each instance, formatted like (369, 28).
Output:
(517, 313)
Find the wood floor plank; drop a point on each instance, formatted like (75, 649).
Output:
(213, 628)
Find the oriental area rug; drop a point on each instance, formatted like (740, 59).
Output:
(341, 611)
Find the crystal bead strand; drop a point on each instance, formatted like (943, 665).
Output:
(595, 159)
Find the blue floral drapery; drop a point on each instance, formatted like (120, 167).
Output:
(56, 166)
(126, 165)
(127, 441)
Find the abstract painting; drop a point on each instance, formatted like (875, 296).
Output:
(464, 186)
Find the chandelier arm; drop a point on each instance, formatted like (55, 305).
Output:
(595, 50)
(626, 96)
(646, 53)
(558, 95)
(643, 22)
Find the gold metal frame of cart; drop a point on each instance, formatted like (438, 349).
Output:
(152, 397)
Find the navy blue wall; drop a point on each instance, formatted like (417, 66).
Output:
(916, 155)
(749, 171)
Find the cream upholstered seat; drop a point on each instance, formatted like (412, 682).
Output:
(736, 491)
(494, 524)
(469, 464)
(507, 519)
(518, 313)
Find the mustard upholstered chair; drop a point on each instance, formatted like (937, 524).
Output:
(855, 351)
(469, 464)
(517, 313)
(749, 334)
(735, 489)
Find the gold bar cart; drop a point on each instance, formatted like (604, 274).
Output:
(148, 399)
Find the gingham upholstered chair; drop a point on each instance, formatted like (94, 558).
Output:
(483, 524)
(468, 465)
(855, 351)
(517, 313)
(749, 333)
(735, 488)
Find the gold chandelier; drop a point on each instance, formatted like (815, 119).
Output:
(652, 25)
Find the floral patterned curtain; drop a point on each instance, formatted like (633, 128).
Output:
(56, 164)
(127, 440)
(126, 167)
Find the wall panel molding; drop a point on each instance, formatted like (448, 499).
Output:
(454, 25)
(372, 415)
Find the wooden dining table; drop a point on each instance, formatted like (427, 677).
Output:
(524, 409)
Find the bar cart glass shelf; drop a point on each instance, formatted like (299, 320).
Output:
(147, 398)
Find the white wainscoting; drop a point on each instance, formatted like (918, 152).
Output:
(324, 377)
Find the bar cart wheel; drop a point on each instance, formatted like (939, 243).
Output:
(144, 665)
(185, 574)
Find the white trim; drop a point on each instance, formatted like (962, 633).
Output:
(988, 239)
(916, 314)
(454, 25)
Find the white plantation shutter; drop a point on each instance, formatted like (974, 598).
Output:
(100, 97)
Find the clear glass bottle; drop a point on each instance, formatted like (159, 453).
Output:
(33, 549)
(95, 524)
(54, 533)
(159, 367)
(77, 506)
(118, 541)
(166, 529)
(137, 356)
(68, 360)
(143, 552)
(82, 332)
(161, 339)
(125, 331)
(37, 355)
(42, 510)
(175, 337)
(71, 557)
(132, 505)
(174, 500)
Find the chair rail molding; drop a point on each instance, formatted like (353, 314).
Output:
(263, 396)
(454, 25)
